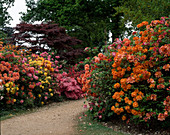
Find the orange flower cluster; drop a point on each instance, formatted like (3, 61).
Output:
(10, 75)
(83, 79)
(118, 111)
(166, 67)
(166, 103)
(142, 24)
(137, 95)
(136, 68)
(152, 97)
(118, 96)
(117, 85)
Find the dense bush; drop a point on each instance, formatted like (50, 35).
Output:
(132, 82)
(32, 80)
(46, 37)
(97, 81)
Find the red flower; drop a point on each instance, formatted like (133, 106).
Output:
(161, 117)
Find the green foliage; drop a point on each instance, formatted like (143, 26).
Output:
(4, 15)
(2, 35)
(99, 96)
(137, 73)
(89, 21)
(137, 11)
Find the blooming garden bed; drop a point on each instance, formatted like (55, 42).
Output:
(129, 81)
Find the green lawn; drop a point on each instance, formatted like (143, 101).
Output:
(87, 126)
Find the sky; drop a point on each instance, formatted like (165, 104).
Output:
(19, 6)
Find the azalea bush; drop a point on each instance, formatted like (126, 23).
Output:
(97, 82)
(142, 90)
(33, 80)
(134, 83)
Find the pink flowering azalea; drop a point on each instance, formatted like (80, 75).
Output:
(35, 77)
(29, 74)
(21, 101)
(100, 116)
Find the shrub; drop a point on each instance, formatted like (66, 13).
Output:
(30, 80)
(97, 82)
(69, 86)
(139, 85)
(46, 37)
(144, 82)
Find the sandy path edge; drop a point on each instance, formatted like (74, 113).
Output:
(59, 119)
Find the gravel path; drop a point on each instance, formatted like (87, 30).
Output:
(57, 119)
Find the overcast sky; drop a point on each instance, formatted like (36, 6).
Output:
(19, 6)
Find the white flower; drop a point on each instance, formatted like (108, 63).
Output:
(1, 87)
(1, 97)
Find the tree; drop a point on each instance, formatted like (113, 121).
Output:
(5, 18)
(137, 11)
(46, 36)
(87, 20)
(4, 15)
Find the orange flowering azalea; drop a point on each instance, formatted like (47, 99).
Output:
(134, 94)
(134, 112)
(139, 97)
(123, 117)
(135, 104)
(113, 108)
(117, 85)
(129, 102)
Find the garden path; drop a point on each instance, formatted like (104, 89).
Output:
(55, 119)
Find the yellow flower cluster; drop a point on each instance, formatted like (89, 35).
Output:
(10, 87)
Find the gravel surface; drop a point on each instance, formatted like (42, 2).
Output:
(55, 119)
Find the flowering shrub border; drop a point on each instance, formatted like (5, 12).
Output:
(140, 81)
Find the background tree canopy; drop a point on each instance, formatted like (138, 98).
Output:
(4, 15)
(137, 11)
(5, 19)
(89, 21)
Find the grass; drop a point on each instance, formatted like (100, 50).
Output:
(6, 114)
(87, 126)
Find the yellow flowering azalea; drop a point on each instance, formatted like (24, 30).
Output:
(50, 90)
(11, 83)
(6, 85)
(12, 90)
(51, 94)
(42, 82)
(39, 95)
(49, 77)
(8, 89)
(45, 74)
